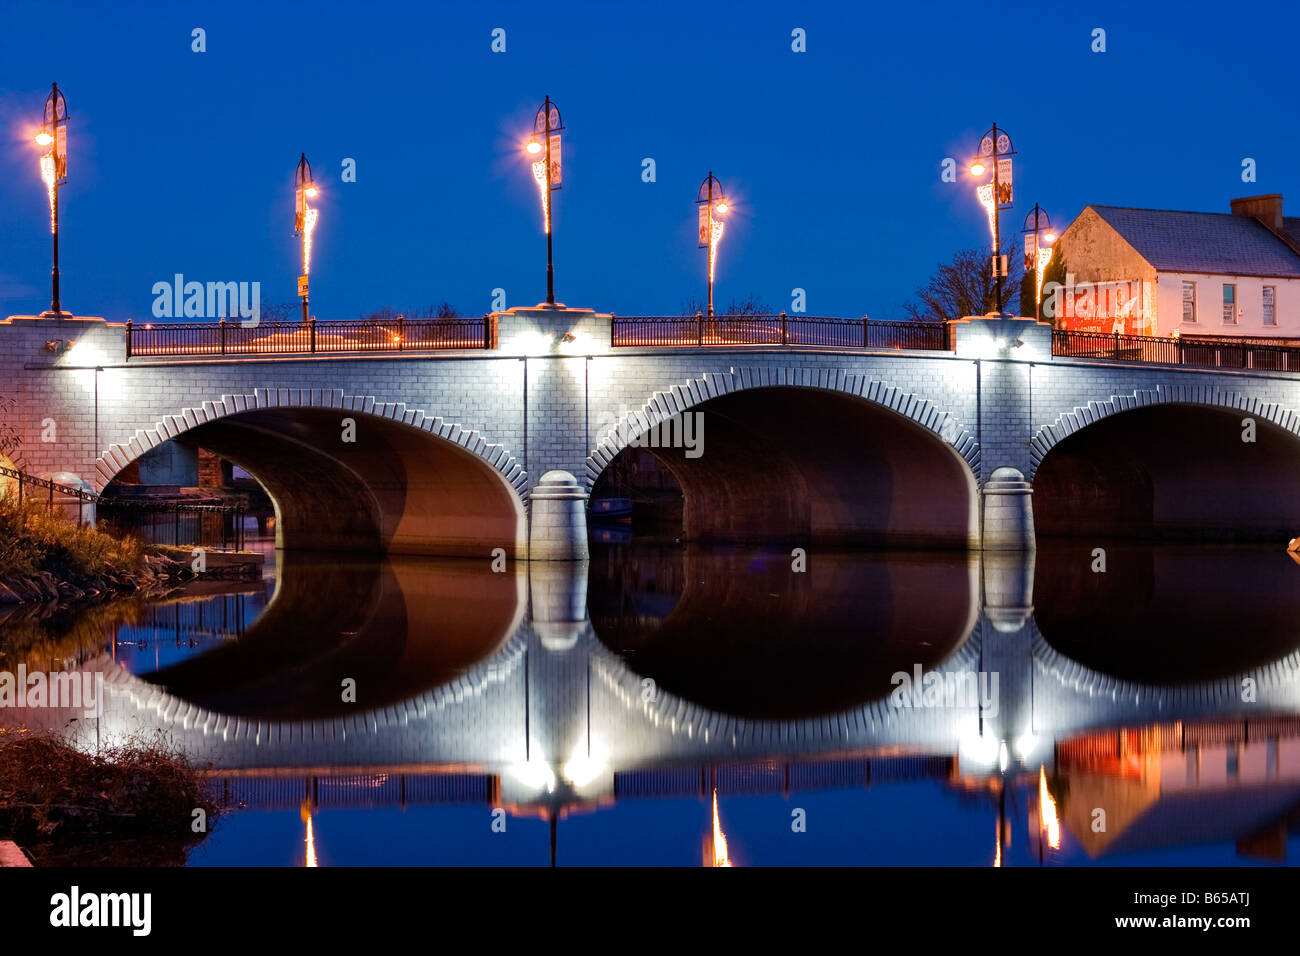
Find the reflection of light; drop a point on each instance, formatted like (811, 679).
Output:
(577, 343)
(1025, 744)
(1047, 812)
(1003, 758)
(583, 767)
(534, 774)
(979, 748)
(305, 812)
(720, 857)
(997, 854)
(47, 174)
(539, 174)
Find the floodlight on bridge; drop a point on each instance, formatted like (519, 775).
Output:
(711, 203)
(53, 138)
(304, 224)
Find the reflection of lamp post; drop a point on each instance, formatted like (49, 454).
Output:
(548, 172)
(54, 170)
(304, 222)
(710, 198)
(1039, 253)
(995, 194)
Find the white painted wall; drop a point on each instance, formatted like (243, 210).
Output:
(1209, 305)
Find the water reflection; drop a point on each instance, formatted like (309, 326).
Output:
(740, 632)
(603, 706)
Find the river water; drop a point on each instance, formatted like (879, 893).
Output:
(1135, 705)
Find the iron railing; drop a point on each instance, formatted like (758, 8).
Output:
(1190, 351)
(136, 510)
(687, 331)
(279, 338)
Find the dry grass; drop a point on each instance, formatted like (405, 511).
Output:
(32, 540)
(52, 792)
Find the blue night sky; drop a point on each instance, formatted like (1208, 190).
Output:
(183, 162)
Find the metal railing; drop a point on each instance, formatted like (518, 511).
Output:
(1190, 351)
(313, 337)
(694, 331)
(136, 510)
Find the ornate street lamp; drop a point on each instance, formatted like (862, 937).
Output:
(1038, 251)
(304, 221)
(712, 203)
(54, 170)
(548, 172)
(995, 151)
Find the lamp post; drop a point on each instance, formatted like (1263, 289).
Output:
(304, 224)
(54, 171)
(1038, 251)
(710, 199)
(548, 171)
(995, 146)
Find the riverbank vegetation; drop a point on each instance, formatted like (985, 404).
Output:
(65, 806)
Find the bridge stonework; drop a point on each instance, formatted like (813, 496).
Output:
(1000, 399)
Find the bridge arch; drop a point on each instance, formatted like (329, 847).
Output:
(811, 454)
(402, 481)
(1172, 461)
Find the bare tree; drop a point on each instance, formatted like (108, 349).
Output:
(965, 286)
(750, 305)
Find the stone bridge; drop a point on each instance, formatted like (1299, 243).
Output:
(443, 452)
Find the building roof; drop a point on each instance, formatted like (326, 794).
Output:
(1206, 242)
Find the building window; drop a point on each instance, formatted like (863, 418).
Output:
(1270, 303)
(1189, 301)
(1229, 303)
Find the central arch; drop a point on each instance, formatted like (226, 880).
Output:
(347, 473)
(810, 456)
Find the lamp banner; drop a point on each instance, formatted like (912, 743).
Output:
(300, 211)
(706, 225)
(61, 154)
(1031, 251)
(557, 168)
(1004, 181)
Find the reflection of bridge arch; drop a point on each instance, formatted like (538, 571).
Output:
(800, 454)
(1086, 690)
(182, 718)
(680, 724)
(403, 482)
(1169, 461)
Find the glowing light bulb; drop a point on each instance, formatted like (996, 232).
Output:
(722, 206)
(533, 147)
(43, 138)
(1049, 238)
(977, 168)
(312, 192)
